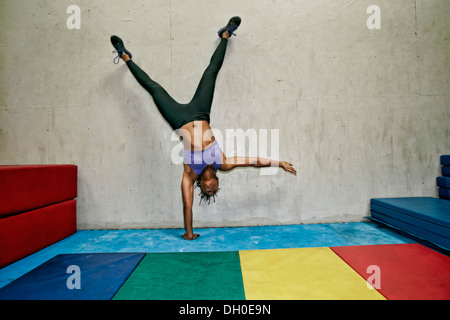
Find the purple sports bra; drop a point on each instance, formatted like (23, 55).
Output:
(198, 160)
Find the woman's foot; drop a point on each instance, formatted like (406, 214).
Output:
(229, 29)
(121, 51)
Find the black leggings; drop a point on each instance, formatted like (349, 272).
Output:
(176, 114)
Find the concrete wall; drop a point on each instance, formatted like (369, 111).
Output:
(361, 113)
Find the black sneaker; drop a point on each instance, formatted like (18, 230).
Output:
(120, 48)
(232, 25)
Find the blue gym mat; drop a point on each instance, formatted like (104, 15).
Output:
(446, 171)
(444, 193)
(51, 280)
(424, 217)
(445, 160)
(443, 182)
(423, 208)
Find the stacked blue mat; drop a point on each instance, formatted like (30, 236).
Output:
(426, 218)
(444, 181)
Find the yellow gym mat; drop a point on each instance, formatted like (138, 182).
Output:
(301, 274)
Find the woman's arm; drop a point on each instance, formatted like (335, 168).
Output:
(233, 162)
(187, 191)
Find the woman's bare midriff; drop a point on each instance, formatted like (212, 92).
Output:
(196, 135)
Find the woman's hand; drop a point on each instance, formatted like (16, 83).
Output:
(288, 167)
(190, 237)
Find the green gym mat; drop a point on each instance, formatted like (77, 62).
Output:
(186, 276)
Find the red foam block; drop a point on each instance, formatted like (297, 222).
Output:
(26, 233)
(407, 271)
(28, 187)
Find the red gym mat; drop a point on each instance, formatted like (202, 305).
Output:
(26, 233)
(28, 187)
(407, 271)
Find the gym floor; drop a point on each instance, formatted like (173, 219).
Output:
(270, 257)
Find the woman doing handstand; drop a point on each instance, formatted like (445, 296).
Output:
(202, 154)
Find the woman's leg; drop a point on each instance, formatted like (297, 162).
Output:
(172, 111)
(158, 93)
(202, 101)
